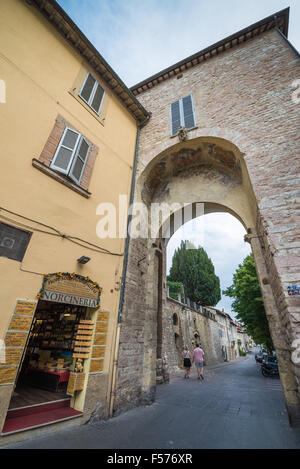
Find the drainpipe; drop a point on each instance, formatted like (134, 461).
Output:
(125, 262)
(284, 37)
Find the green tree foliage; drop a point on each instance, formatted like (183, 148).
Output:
(248, 302)
(174, 289)
(192, 267)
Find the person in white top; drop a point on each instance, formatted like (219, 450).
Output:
(186, 361)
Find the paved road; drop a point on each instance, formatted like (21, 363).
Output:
(235, 407)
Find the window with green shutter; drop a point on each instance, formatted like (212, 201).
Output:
(182, 114)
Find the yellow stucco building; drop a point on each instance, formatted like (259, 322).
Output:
(68, 136)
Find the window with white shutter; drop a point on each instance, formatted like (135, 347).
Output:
(182, 114)
(71, 155)
(175, 117)
(79, 160)
(188, 112)
(92, 92)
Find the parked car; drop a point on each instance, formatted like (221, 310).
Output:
(269, 366)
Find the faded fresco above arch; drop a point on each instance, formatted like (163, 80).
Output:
(208, 171)
(205, 159)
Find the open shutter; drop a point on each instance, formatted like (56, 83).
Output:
(97, 98)
(79, 162)
(188, 112)
(175, 117)
(88, 87)
(62, 159)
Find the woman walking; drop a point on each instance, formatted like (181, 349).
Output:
(186, 361)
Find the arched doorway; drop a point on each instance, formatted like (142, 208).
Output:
(203, 175)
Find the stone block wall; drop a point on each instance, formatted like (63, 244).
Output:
(243, 96)
(191, 322)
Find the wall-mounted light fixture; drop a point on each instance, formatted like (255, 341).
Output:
(83, 259)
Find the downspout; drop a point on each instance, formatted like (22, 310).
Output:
(284, 37)
(125, 262)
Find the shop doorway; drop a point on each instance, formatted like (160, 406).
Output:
(47, 359)
(41, 393)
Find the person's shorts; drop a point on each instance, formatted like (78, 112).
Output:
(187, 363)
(199, 364)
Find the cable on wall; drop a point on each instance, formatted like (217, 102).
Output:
(56, 232)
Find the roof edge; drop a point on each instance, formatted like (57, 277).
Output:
(279, 20)
(74, 36)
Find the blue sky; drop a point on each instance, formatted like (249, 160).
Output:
(138, 38)
(222, 237)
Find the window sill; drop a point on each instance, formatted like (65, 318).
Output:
(99, 117)
(188, 130)
(60, 178)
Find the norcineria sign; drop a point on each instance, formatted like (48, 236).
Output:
(69, 299)
(70, 288)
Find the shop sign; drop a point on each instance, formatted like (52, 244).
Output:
(67, 298)
(15, 339)
(98, 350)
(293, 290)
(20, 323)
(25, 308)
(7, 374)
(71, 288)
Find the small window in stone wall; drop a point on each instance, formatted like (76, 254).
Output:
(175, 319)
(182, 114)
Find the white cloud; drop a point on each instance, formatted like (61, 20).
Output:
(139, 38)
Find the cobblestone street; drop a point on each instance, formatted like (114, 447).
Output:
(235, 407)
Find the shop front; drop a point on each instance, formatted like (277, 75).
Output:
(51, 346)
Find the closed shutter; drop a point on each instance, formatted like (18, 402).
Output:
(175, 117)
(79, 161)
(188, 112)
(62, 159)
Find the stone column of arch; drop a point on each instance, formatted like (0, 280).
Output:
(278, 328)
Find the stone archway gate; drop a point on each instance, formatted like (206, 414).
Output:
(241, 156)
